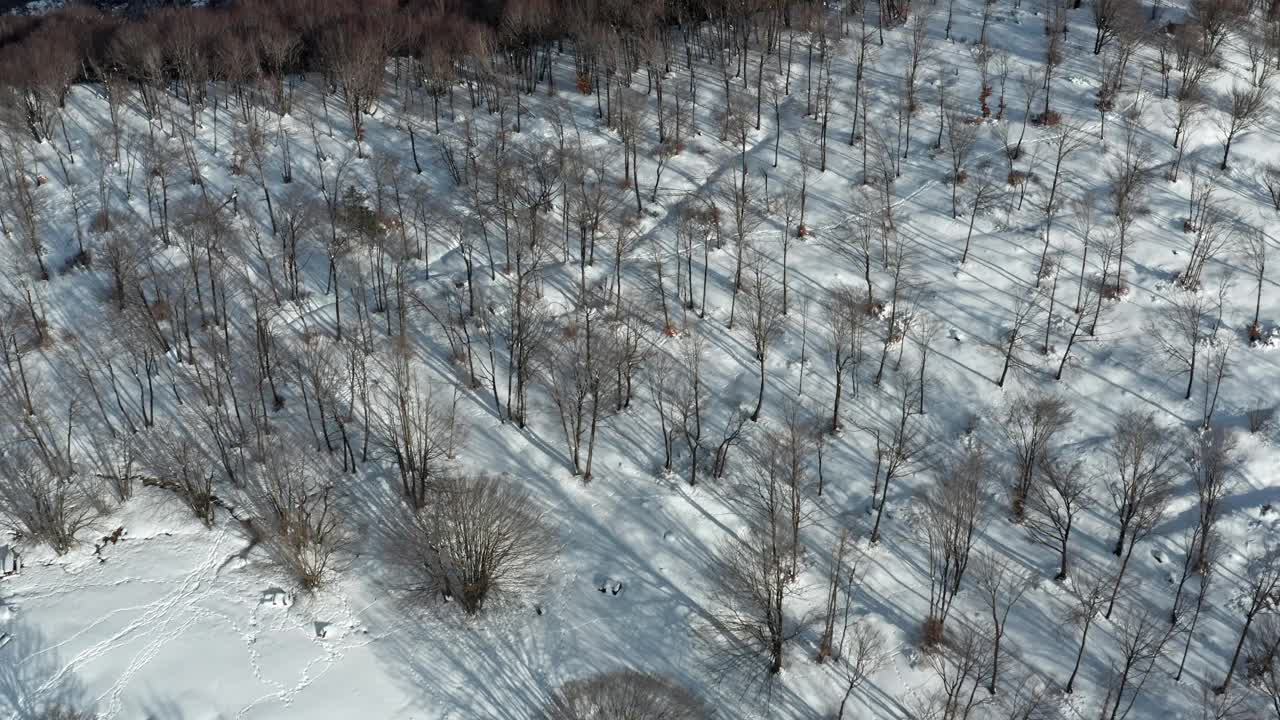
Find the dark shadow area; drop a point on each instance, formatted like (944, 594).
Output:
(33, 680)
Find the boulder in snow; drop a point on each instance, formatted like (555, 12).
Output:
(10, 560)
(275, 597)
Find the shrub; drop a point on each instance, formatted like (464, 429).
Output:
(1258, 417)
(626, 694)
(1051, 118)
(298, 520)
(181, 466)
(932, 633)
(477, 535)
(43, 506)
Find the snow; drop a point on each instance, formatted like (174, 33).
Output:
(176, 620)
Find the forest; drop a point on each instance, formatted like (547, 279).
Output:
(386, 358)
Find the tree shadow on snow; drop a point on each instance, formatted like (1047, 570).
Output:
(33, 680)
(506, 663)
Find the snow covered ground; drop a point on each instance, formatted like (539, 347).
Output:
(176, 620)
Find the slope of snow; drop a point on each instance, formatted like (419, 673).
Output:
(179, 621)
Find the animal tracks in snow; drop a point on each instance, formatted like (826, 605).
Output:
(206, 598)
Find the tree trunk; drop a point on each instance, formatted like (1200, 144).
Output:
(1235, 657)
(1079, 656)
(755, 415)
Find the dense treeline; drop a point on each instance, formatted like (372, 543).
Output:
(81, 42)
(255, 46)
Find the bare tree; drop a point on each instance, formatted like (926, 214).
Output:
(920, 51)
(1208, 549)
(625, 694)
(1055, 27)
(183, 467)
(1141, 480)
(841, 563)
(983, 192)
(960, 665)
(1089, 592)
(1261, 589)
(1002, 585)
(1011, 342)
(662, 367)
(1091, 293)
(1217, 369)
(252, 147)
(1229, 706)
(691, 399)
(753, 620)
(1255, 257)
(731, 436)
(846, 313)
(1030, 82)
(951, 516)
(743, 221)
(39, 75)
(1130, 178)
(1031, 424)
(420, 433)
(792, 444)
(354, 55)
(27, 206)
(962, 134)
(1083, 208)
(1212, 230)
(1180, 331)
(1055, 503)
(789, 207)
(122, 255)
(1095, 292)
(867, 54)
(477, 536)
(1216, 20)
(896, 445)
(1185, 117)
(1262, 649)
(1142, 637)
(1150, 504)
(1049, 273)
(117, 463)
(1214, 471)
(35, 502)
(1070, 138)
(928, 328)
(1269, 177)
(1261, 45)
(1271, 688)
(577, 379)
(862, 654)
(1245, 110)
(765, 319)
(295, 502)
(1031, 699)
(1111, 18)
(857, 240)
(898, 258)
